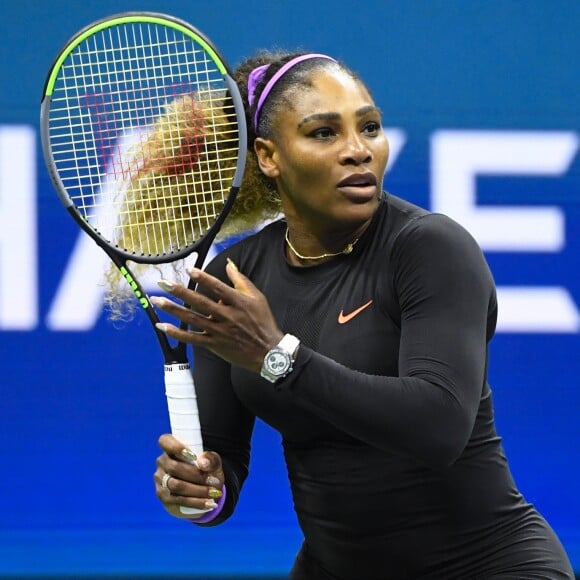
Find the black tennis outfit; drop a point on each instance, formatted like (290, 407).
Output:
(395, 466)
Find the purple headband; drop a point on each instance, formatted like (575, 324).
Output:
(258, 74)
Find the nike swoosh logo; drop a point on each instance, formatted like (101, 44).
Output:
(344, 318)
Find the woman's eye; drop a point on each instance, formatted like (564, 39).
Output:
(322, 133)
(372, 127)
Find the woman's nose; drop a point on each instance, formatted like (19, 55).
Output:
(355, 151)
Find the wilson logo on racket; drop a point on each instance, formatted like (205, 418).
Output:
(134, 286)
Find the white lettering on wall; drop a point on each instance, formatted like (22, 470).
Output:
(79, 298)
(457, 159)
(396, 138)
(18, 227)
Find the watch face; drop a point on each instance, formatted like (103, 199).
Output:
(277, 362)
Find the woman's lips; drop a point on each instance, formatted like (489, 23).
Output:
(359, 187)
(359, 180)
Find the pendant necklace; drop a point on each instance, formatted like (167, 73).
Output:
(346, 250)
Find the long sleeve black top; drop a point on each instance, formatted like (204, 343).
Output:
(394, 462)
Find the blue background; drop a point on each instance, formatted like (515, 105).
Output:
(76, 484)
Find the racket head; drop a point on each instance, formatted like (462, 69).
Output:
(144, 136)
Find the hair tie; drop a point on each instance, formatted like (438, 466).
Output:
(258, 73)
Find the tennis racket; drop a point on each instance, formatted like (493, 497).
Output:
(144, 136)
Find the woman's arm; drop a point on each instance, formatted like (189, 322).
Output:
(444, 290)
(226, 425)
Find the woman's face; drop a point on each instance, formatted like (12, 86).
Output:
(328, 154)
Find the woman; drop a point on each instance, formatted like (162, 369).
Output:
(358, 327)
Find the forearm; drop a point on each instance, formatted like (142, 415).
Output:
(424, 416)
(226, 425)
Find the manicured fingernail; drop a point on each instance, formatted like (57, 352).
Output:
(211, 480)
(214, 493)
(161, 326)
(166, 285)
(232, 264)
(210, 504)
(203, 462)
(193, 273)
(189, 455)
(158, 300)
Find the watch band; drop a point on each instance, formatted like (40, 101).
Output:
(289, 343)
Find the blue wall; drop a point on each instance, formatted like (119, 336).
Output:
(458, 81)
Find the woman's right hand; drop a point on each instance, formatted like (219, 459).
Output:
(179, 482)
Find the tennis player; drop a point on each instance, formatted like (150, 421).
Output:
(357, 325)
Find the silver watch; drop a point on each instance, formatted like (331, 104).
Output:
(279, 360)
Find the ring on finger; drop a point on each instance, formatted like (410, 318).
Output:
(164, 480)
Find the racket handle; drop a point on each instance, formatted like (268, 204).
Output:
(183, 412)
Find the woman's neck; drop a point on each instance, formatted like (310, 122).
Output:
(305, 248)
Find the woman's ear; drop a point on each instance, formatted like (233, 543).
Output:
(266, 153)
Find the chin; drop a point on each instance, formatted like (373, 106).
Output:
(360, 213)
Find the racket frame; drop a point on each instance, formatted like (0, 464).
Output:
(119, 256)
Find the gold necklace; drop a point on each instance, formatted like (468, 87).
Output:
(347, 249)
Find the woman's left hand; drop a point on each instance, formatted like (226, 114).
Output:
(235, 323)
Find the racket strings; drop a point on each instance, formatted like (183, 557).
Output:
(162, 193)
(144, 137)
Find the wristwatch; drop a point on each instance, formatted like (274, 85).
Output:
(279, 360)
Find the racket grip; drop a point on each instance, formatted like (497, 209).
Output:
(183, 412)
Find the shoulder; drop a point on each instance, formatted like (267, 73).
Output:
(404, 226)
(423, 241)
(438, 226)
(413, 227)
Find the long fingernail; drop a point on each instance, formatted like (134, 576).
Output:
(158, 300)
(232, 264)
(214, 493)
(189, 455)
(213, 481)
(166, 285)
(210, 504)
(161, 326)
(193, 273)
